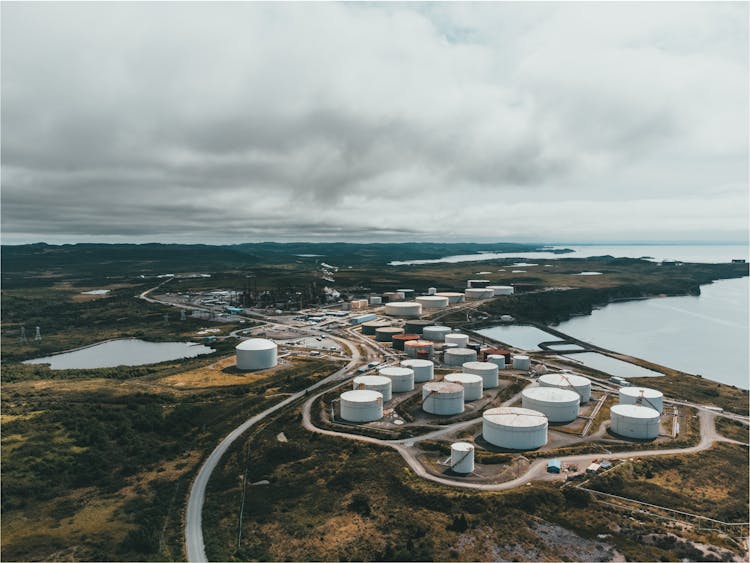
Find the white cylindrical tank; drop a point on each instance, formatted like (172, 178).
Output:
(479, 293)
(488, 371)
(577, 383)
(402, 379)
(377, 383)
(442, 397)
(514, 428)
(376, 300)
(501, 289)
(558, 405)
(453, 297)
(432, 301)
(642, 396)
(462, 457)
(256, 353)
(461, 340)
(435, 333)
(497, 359)
(635, 421)
(387, 333)
(405, 309)
(459, 356)
(431, 291)
(521, 362)
(424, 370)
(361, 406)
(472, 384)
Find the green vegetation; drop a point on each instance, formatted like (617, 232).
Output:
(733, 429)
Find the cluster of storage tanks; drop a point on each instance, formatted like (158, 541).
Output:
(638, 414)
(403, 304)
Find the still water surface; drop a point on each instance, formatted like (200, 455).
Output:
(127, 352)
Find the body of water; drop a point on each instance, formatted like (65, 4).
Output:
(519, 336)
(126, 352)
(612, 366)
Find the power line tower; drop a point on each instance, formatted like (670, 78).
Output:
(22, 338)
(37, 335)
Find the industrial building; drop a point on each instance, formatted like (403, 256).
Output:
(488, 371)
(514, 428)
(442, 398)
(256, 353)
(558, 405)
(634, 421)
(361, 406)
(424, 370)
(462, 457)
(362, 319)
(577, 383)
(382, 385)
(471, 383)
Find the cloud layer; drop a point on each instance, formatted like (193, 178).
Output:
(239, 122)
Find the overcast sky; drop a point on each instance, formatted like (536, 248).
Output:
(316, 121)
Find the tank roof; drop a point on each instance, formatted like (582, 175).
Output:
(551, 394)
(361, 395)
(462, 446)
(480, 365)
(443, 387)
(256, 344)
(417, 363)
(466, 378)
(395, 371)
(565, 379)
(646, 392)
(371, 380)
(635, 411)
(514, 416)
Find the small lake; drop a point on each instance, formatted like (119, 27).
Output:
(125, 352)
(519, 336)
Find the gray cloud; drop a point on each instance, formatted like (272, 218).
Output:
(254, 121)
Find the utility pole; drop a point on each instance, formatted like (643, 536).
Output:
(22, 338)
(37, 335)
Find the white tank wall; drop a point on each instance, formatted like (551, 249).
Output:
(486, 370)
(382, 385)
(443, 399)
(577, 383)
(514, 428)
(462, 340)
(501, 289)
(361, 406)
(432, 301)
(459, 356)
(431, 291)
(453, 297)
(436, 333)
(634, 421)
(521, 362)
(405, 309)
(255, 354)
(462, 457)
(642, 396)
(497, 359)
(424, 370)
(477, 293)
(402, 378)
(471, 383)
(558, 405)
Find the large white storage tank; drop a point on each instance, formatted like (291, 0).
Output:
(460, 340)
(635, 421)
(459, 356)
(435, 333)
(558, 405)
(577, 383)
(377, 383)
(501, 289)
(432, 301)
(486, 370)
(453, 297)
(642, 396)
(472, 384)
(497, 359)
(442, 397)
(521, 362)
(478, 293)
(462, 457)
(405, 309)
(514, 428)
(424, 370)
(402, 379)
(256, 353)
(361, 406)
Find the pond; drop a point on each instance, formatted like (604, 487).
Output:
(125, 352)
(519, 336)
(612, 366)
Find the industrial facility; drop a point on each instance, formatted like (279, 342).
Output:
(256, 354)
(514, 428)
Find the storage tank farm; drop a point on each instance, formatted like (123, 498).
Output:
(558, 405)
(471, 383)
(386, 334)
(402, 379)
(634, 421)
(462, 457)
(256, 354)
(424, 370)
(459, 356)
(453, 297)
(514, 428)
(461, 340)
(382, 385)
(486, 370)
(432, 301)
(521, 362)
(642, 396)
(403, 309)
(436, 333)
(577, 383)
(361, 405)
(442, 398)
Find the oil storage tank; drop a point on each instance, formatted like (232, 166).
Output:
(461, 340)
(488, 371)
(361, 406)
(255, 354)
(404, 309)
(478, 293)
(472, 384)
(501, 289)
(432, 301)
(514, 428)
(377, 383)
(462, 457)
(435, 333)
(453, 296)
(370, 327)
(424, 370)
(415, 348)
(459, 356)
(577, 383)
(416, 326)
(497, 359)
(634, 421)
(558, 405)
(387, 333)
(642, 396)
(521, 362)
(402, 379)
(443, 398)
(399, 340)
